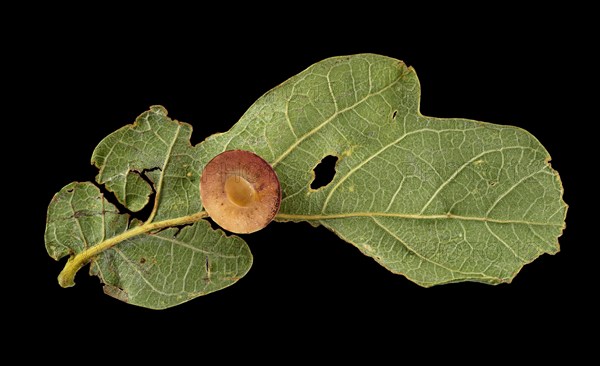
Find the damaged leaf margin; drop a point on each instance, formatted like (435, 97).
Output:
(170, 258)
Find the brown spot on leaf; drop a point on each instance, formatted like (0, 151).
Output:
(116, 292)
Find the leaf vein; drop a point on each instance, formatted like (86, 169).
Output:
(294, 217)
(459, 169)
(510, 189)
(328, 120)
(162, 175)
(365, 161)
(504, 243)
(193, 248)
(424, 258)
(187, 271)
(142, 277)
(85, 242)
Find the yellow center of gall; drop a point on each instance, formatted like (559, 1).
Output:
(239, 191)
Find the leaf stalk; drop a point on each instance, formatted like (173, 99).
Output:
(66, 278)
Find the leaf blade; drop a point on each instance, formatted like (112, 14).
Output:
(148, 265)
(393, 161)
(152, 155)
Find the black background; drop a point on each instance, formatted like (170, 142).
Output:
(88, 78)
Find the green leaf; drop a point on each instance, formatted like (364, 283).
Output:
(170, 258)
(437, 200)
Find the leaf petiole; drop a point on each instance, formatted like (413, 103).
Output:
(66, 278)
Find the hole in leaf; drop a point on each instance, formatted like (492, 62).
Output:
(144, 213)
(324, 172)
(394, 114)
(141, 215)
